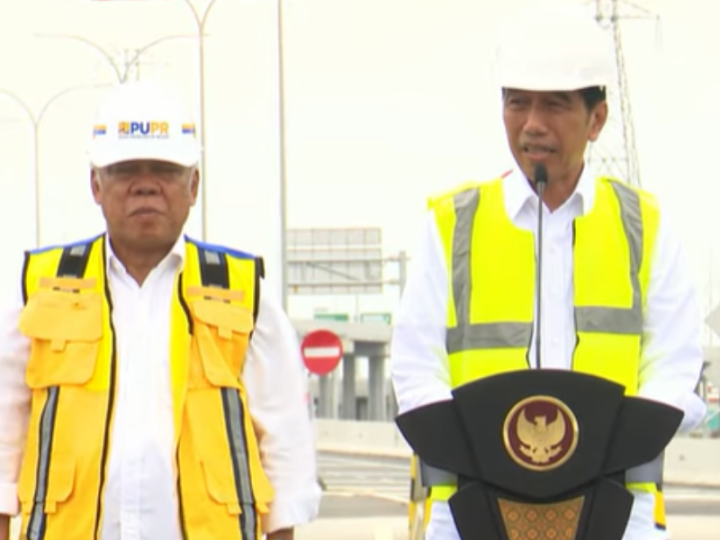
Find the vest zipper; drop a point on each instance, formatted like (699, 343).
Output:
(181, 510)
(111, 404)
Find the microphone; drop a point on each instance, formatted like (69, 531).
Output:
(541, 179)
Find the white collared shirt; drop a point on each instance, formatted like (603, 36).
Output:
(140, 499)
(672, 353)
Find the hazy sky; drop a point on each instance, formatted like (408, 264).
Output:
(388, 101)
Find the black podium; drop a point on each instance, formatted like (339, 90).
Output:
(541, 454)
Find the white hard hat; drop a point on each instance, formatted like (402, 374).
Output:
(555, 49)
(143, 120)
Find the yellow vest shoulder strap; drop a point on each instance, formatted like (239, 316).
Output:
(647, 219)
(65, 264)
(215, 266)
(447, 197)
(647, 200)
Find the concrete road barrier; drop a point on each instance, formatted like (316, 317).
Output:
(688, 461)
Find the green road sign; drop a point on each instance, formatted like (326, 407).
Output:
(383, 318)
(340, 317)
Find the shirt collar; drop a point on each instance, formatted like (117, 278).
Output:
(176, 254)
(519, 193)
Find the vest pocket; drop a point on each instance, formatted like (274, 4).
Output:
(220, 341)
(221, 488)
(56, 486)
(65, 330)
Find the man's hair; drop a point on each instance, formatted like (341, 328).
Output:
(591, 96)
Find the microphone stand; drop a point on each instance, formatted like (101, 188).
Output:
(541, 178)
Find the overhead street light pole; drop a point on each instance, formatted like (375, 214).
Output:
(201, 19)
(283, 168)
(36, 119)
(121, 74)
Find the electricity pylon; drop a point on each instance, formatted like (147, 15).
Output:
(615, 154)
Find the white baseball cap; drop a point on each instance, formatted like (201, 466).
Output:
(143, 120)
(555, 48)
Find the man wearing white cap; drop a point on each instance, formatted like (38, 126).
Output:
(468, 309)
(149, 387)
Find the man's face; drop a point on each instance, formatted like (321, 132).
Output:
(145, 203)
(552, 128)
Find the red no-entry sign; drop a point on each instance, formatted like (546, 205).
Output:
(321, 351)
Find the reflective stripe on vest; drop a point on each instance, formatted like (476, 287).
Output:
(71, 372)
(492, 286)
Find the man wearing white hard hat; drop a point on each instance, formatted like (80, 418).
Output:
(474, 270)
(150, 388)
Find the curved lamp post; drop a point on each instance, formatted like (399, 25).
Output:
(36, 119)
(283, 168)
(200, 23)
(201, 18)
(121, 73)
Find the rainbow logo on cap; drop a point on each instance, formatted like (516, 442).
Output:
(99, 130)
(188, 129)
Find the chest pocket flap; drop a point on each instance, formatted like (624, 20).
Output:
(65, 329)
(222, 333)
(226, 318)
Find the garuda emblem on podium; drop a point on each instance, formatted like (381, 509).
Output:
(540, 433)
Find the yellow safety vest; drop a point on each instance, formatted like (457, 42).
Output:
(492, 290)
(222, 489)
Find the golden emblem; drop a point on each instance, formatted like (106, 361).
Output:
(540, 433)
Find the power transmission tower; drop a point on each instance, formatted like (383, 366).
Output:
(614, 153)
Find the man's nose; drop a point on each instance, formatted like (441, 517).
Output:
(535, 121)
(145, 183)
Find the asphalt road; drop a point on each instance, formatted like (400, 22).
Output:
(361, 486)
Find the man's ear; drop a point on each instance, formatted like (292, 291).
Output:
(194, 185)
(95, 184)
(598, 118)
